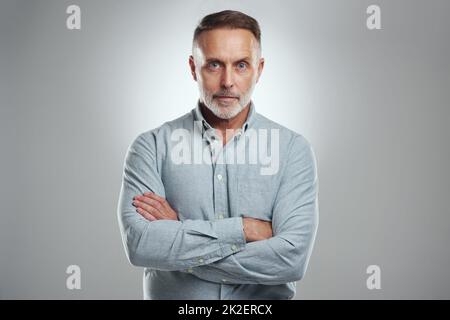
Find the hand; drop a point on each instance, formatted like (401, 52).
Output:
(255, 229)
(153, 207)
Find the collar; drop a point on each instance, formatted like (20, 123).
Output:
(208, 131)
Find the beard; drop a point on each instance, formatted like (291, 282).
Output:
(226, 111)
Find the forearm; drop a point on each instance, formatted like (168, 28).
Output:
(175, 245)
(167, 244)
(284, 257)
(280, 259)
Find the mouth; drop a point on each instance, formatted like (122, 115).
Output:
(226, 98)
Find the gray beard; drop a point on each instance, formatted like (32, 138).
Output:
(228, 112)
(224, 113)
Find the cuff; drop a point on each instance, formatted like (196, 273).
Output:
(230, 234)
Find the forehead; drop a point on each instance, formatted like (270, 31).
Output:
(227, 43)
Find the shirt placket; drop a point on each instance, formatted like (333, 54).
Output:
(219, 181)
(220, 187)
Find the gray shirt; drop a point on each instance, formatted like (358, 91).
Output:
(265, 171)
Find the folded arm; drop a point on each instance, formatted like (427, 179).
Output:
(167, 244)
(284, 257)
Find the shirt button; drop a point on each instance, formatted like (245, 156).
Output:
(190, 270)
(233, 247)
(200, 260)
(219, 176)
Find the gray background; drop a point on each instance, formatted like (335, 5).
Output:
(374, 104)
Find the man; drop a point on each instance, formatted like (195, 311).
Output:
(204, 220)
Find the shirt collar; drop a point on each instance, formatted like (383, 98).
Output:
(205, 126)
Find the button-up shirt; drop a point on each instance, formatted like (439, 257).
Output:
(265, 171)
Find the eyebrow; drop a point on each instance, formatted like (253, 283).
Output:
(218, 60)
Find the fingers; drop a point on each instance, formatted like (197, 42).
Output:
(153, 203)
(145, 214)
(148, 207)
(159, 199)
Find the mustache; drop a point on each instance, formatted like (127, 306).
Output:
(226, 93)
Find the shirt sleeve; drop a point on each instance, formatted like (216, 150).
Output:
(167, 244)
(284, 257)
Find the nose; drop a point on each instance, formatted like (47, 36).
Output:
(227, 80)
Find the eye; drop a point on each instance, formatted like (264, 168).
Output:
(242, 65)
(213, 65)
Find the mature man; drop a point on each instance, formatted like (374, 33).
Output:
(205, 220)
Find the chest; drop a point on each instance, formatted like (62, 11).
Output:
(204, 191)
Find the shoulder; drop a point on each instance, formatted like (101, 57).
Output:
(291, 139)
(296, 151)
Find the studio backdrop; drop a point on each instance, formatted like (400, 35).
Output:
(367, 83)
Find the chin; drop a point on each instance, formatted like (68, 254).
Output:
(224, 110)
(229, 112)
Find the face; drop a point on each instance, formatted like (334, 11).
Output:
(226, 64)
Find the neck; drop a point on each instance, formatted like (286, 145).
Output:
(223, 124)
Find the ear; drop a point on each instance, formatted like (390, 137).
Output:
(260, 68)
(192, 66)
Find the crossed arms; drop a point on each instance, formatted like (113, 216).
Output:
(239, 249)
